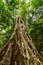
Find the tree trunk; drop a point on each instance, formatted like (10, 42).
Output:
(20, 50)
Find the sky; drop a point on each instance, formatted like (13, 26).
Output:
(21, 0)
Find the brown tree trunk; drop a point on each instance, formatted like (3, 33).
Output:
(19, 50)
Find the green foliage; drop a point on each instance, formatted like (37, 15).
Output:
(6, 23)
(36, 23)
(32, 13)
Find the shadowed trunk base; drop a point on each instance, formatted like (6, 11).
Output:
(19, 50)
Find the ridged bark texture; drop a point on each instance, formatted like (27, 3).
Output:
(20, 50)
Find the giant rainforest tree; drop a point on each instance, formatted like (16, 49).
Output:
(19, 19)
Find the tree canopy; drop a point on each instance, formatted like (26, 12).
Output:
(32, 13)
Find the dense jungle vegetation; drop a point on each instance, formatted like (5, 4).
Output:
(32, 13)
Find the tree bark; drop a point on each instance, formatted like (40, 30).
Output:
(20, 50)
